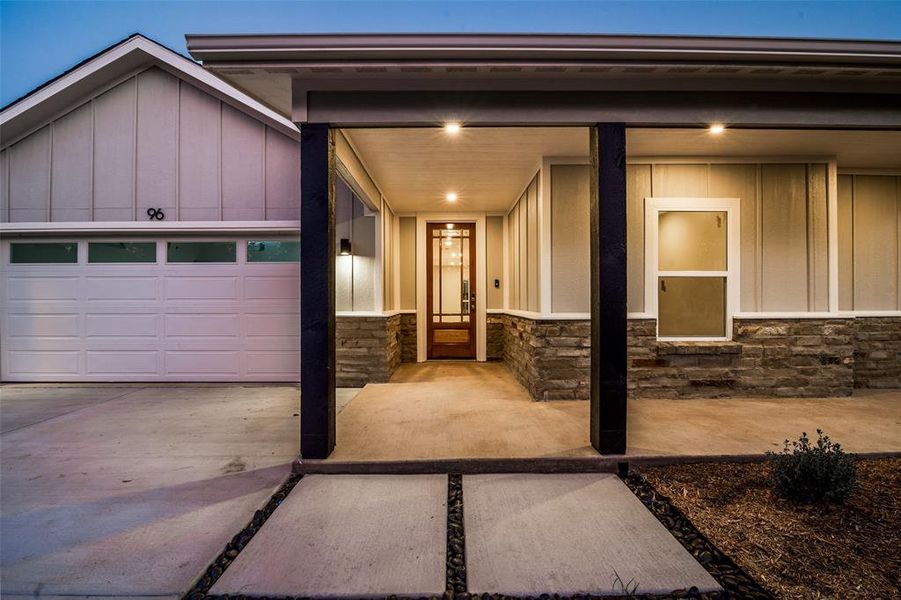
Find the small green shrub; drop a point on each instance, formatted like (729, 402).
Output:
(808, 472)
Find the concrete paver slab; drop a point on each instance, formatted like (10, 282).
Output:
(532, 534)
(349, 536)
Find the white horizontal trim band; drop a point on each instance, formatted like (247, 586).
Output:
(366, 313)
(793, 315)
(162, 227)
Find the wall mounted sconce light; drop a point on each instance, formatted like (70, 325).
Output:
(345, 249)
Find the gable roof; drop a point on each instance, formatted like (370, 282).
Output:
(125, 58)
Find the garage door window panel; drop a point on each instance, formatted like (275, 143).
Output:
(122, 252)
(263, 251)
(44, 253)
(201, 252)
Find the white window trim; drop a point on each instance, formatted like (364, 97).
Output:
(732, 208)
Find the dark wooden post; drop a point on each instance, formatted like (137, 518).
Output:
(608, 288)
(317, 291)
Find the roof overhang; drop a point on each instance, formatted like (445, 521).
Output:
(108, 67)
(282, 69)
(529, 48)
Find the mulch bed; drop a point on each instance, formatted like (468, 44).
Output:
(796, 551)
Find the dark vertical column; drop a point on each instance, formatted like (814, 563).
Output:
(317, 291)
(608, 288)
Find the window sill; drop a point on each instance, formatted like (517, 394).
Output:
(685, 347)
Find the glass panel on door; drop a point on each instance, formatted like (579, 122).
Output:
(451, 302)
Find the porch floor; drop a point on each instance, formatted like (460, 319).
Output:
(440, 410)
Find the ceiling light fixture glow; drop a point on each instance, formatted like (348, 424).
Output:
(451, 197)
(452, 128)
(717, 128)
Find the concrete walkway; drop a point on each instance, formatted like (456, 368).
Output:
(527, 535)
(131, 491)
(478, 410)
(352, 536)
(348, 536)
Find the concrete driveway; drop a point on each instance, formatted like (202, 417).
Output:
(132, 491)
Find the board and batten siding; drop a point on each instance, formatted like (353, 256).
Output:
(151, 141)
(522, 250)
(869, 237)
(494, 248)
(406, 246)
(784, 254)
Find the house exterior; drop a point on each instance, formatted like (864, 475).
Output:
(610, 216)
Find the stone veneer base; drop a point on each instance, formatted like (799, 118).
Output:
(367, 349)
(551, 358)
(766, 358)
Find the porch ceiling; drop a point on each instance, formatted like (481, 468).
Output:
(852, 149)
(487, 167)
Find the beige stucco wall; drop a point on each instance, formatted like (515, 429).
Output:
(869, 228)
(784, 254)
(152, 141)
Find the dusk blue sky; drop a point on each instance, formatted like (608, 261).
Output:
(39, 40)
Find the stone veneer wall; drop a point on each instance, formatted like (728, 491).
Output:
(877, 352)
(367, 349)
(408, 337)
(495, 337)
(770, 357)
(766, 357)
(550, 358)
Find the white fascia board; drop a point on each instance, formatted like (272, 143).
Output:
(173, 63)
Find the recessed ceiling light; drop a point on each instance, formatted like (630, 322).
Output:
(451, 197)
(717, 128)
(452, 128)
(450, 225)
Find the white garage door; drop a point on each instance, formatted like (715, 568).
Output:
(150, 310)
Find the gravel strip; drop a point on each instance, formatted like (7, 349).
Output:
(456, 537)
(735, 582)
(238, 542)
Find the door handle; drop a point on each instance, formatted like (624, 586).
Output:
(472, 303)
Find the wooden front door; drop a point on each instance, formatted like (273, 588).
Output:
(451, 303)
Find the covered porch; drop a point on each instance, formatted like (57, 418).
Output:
(466, 410)
(727, 230)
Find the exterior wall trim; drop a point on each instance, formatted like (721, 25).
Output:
(369, 313)
(131, 227)
(864, 171)
(717, 160)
